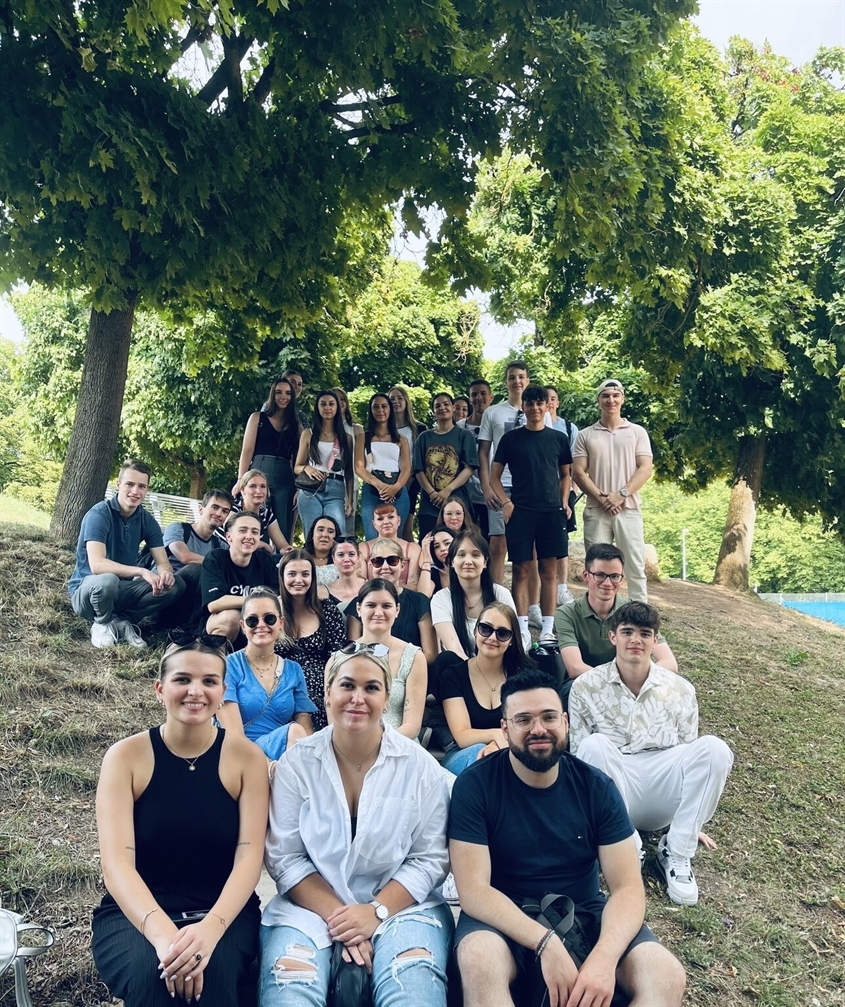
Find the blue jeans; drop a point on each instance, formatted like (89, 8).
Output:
(370, 500)
(328, 501)
(397, 982)
(459, 759)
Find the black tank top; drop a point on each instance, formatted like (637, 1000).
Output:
(186, 828)
(268, 440)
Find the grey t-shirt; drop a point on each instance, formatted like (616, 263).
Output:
(175, 532)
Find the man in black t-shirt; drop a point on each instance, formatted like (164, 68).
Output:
(228, 574)
(536, 512)
(533, 820)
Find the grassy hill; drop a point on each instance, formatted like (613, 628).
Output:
(770, 928)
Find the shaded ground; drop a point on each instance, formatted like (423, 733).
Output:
(770, 929)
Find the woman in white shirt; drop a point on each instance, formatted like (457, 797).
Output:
(325, 456)
(455, 611)
(357, 848)
(383, 464)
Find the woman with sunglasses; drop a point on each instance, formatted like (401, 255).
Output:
(357, 848)
(251, 494)
(413, 623)
(470, 689)
(378, 606)
(434, 568)
(325, 456)
(410, 428)
(345, 557)
(270, 443)
(454, 611)
(386, 523)
(320, 541)
(266, 696)
(311, 630)
(383, 463)
(181, 816)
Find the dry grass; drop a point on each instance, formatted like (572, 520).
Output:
(770, 929)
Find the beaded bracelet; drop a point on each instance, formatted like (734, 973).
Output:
(544, 940)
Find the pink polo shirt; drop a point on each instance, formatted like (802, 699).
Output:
(612, 457)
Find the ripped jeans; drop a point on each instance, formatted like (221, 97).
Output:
(397, 982)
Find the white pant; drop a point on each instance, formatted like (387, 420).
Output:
(679, 786)
(624, 530)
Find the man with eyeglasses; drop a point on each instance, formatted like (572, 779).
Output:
(581, 628)
(638, 723)
(531, 820)
(612, 461)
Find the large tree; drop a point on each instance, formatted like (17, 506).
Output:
(123, 174)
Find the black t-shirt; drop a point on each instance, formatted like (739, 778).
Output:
(534, 458)
(413, 606)
(220, 576)
(455, 684)
(539, 840)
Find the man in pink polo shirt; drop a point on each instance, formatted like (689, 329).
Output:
(612, 461)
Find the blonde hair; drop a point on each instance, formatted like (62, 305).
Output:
(338, 659)
(413, 422)
(251, 474)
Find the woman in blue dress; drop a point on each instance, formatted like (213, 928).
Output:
(266, 696)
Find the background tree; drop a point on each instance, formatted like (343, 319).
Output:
(122, 176)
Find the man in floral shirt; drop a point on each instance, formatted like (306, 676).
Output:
(638, 723)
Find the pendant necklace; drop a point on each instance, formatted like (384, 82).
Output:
(493, 688)
(191, 762)
(352, 762)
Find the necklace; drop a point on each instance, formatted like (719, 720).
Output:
(352, 762)
(191, 762)
(257, 667)
(493, 688)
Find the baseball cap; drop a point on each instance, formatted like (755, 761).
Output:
(610, 383)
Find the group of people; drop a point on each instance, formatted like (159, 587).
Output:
(303, 686)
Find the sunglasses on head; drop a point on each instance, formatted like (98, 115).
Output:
(391, 561)
(185, 637)
(376, 649)
(485, 630)
(268, 618)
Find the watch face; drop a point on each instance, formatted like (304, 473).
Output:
(381, 911)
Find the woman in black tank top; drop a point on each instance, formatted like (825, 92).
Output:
(181, 815)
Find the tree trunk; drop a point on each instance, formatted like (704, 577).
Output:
(198, 480)
(735, 553)
(93, 440)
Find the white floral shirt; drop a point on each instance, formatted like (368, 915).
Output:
(664, 714)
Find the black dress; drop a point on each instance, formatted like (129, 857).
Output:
(312, 652)
(186, 832)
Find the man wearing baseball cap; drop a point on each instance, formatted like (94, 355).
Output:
(612, 461)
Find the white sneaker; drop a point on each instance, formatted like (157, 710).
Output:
(550, 640)
(681, 885)
(526, 640)
(129, 634)
(535, 617)
(105, 634)
(564, 595)
(449, 891)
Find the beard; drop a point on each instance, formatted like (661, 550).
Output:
(535, 762)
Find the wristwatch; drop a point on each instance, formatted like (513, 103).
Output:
(381, 911)
(623, 492)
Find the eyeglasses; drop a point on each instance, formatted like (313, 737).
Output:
(269, 619)
(392, 561)
(485, 631)
(525, 721)
(375, 649)
(614, 578)
(185, 637)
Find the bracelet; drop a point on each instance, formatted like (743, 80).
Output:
(144, 919)
(544, 940)
(425, 566)
(219, 917)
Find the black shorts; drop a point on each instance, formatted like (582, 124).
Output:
(523, 957)
(544, 531)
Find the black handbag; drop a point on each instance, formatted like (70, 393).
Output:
(350, 985)
(308, 483)
(386, 477)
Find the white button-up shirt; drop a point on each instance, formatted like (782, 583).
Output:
(664, 714)
(400, 835)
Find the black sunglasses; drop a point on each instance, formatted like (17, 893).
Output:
(485, 630)
(391, 561)
(269, 619)
(185, 637)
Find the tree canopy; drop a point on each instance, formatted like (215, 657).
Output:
(124, 175)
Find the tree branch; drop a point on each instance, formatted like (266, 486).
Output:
(399, 127)
(262, 85)
(219, 80)
(359, 106)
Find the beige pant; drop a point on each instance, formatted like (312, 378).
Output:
(625, 531)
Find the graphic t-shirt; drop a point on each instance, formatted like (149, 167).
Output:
(441, 457)
(220, 576)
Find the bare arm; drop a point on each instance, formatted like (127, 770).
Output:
(277, 538)
(305, 722)
(495, 484)
(579, 474)
(184, 554)
(226, 603)
(662, 655)
(302, 463)
(573, 662)
(415, 691)
(230, 718)
(484, 475)
(414, 553)
(447, 637)
(248, 446)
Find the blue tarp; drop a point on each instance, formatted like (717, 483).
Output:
(832, 611)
